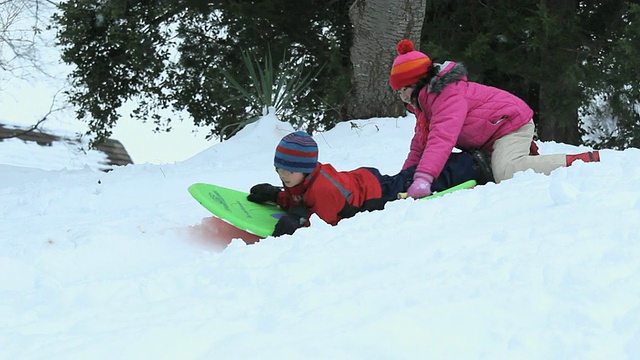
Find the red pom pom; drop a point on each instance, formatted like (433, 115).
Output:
(404, 46)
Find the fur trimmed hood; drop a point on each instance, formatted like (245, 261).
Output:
(448, 72)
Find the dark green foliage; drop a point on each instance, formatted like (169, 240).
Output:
(170, 54)
(118, 49)
(550, 53)
(617, 76)
(126, 50)
(270, 89)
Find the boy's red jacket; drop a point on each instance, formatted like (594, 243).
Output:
(332, 194)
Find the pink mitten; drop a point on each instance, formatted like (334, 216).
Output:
(421, 185)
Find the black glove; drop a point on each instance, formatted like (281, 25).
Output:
(262, 193)
(291, 221)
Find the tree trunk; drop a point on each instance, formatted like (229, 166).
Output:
(378, 25)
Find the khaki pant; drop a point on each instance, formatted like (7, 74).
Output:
(511, 154)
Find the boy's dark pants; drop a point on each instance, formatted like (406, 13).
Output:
(460, 167)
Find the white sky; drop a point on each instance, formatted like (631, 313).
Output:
(26, 101)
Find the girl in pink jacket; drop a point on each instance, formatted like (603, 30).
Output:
(453, 112)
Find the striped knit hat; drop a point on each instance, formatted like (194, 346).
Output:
(297, 152)
(409, 66)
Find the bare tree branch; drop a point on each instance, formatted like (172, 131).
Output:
(21, 23)
(34, 127)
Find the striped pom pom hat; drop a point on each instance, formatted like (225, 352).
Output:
(297, 152)
(409, 66)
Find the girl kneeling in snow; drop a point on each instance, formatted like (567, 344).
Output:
(314, 188)
(453, 112)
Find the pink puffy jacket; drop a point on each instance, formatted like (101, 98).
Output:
(454, 112)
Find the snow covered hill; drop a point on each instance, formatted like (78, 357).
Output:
(122, 265)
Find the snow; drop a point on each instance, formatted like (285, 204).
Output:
(68, 152)
(119, 265)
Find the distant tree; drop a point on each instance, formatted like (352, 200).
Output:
(551, 53)
(173, 55)
(119, 49)
(21, 26)
(614, 69)
(526, 47)
(21, 23)
(170, 54)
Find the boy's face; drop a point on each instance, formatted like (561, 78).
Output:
(290, 179)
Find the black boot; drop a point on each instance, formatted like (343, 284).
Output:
(482, 166)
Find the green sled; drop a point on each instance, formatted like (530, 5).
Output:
(233, 207)
(465, 185)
